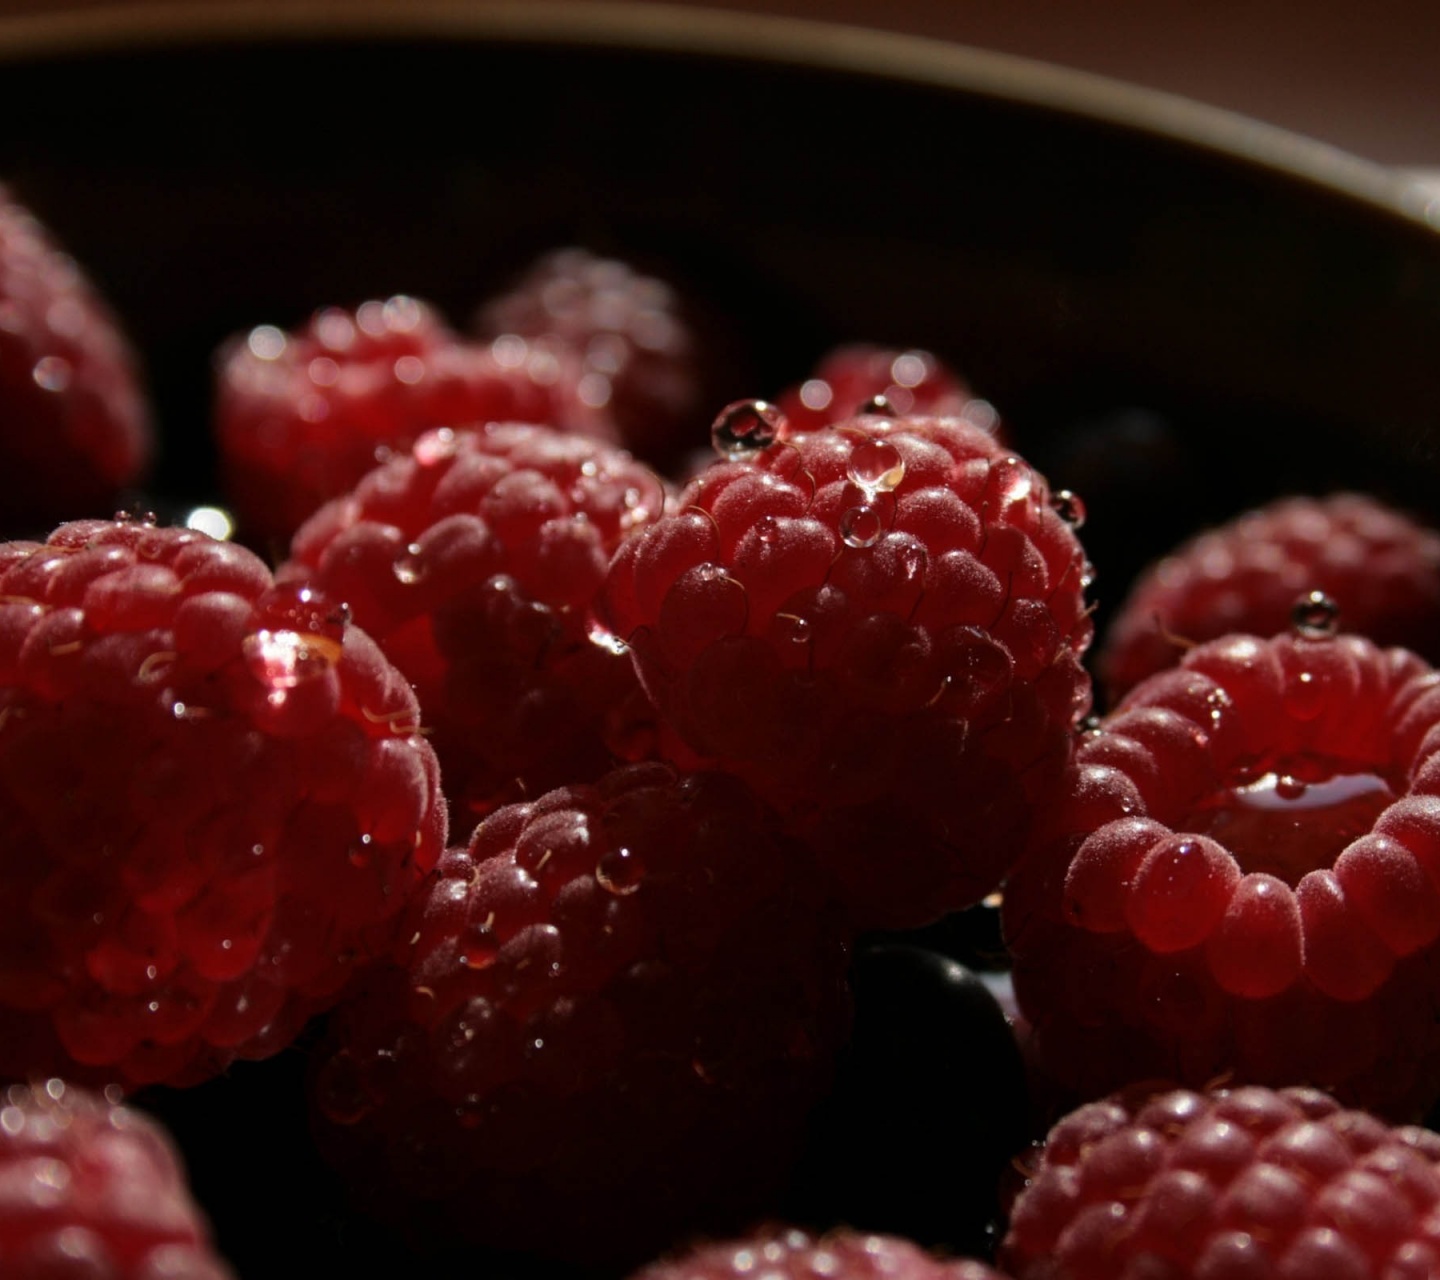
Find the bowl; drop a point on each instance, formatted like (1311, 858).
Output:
(1177, 312)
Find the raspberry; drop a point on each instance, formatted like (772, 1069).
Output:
(473, 560)
(92, 1188)
(850, 377)
(76, 423)
(1243, 878)
(879, 626)
(1380, 567)
(637, 345)
(788, 1253)
(300, 418)
(1249, 1182)
(215, 804)
(611, 1015)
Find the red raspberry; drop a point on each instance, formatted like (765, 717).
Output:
(612, 1013)
(1245, 1183)
(911, 383)
(636, 342)
(788, 1253)
(880, 626)
(473, 560)
(215, 805)
(93, 1189)
(302, 417)
(1243, 878)
(1380, 567)
(76, 424)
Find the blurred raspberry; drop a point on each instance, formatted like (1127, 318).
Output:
(473, 560)
(76, 425)
(215, 800)
(878, 625)
(606, 1025)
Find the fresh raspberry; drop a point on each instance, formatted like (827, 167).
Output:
(912, 383)
(788, 1253)
(215, 804)
(90, 1188)
(76, 426)
(880, 626)
(1245, 1183)
(636, 341)
(473, 560)
(300, 418)
(1243, 878)
(1381, 568)
(607, 1024)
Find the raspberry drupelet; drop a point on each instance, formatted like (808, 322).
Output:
(301, 417)
(880, 626)
(473, 559)
(789, 1253)
(76, 422)
(1244, 878)
(1379, 565)
(215, 799)
(605, 1026)
(1245, 1183)
(92, 1188)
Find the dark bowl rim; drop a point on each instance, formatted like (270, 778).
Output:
(134, 26)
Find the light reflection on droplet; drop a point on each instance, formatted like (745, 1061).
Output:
(52, 373)
(860, 527)
(745, 427)
(215, 521)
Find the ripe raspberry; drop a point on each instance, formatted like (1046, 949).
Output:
(1249, 1183)
(609, 1020)
(473, 560)
(1380, 567)
(636, 342)
(911, 383)
(1243, 878)
(879, 626)
(215, 804)
(299, 418)
(788, 1253)
(93, 1189)
(76, 424)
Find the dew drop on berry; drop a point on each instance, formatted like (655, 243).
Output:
(479, 946)
(52, 373)
(283, 659)
(137, 514)
(860, 527)
(746, 427)
(792, 627)
(1010, 480)
(1315, 616)
(877, 407)
(876, 466)
(619, 871)
(409, 568)
(606, 639)
(1069, 508)
(215, 522)
(767, 531)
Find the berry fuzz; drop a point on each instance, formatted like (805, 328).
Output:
(216, 803)
(880, 626)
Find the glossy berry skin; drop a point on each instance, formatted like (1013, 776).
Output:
(1245, 878)
(1379, 566)
(789, 1253)
(1243, 1183)
(472, 559)
(76, 423)
(640, 355)
(606, 1024)
(879, 626)
(91, 1188)
(912, 383)
(215, 803)
(301, 417)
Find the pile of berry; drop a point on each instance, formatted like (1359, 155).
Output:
(490, 841)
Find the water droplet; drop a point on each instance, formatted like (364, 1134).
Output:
(860, 526)
(137, 514)
(606, 638)
(876, 466)
(1069, 508)
(479, 946)
(746, 427)
(767, 530)
(792, 627)
(214, 521)
(1010, 480)
(282, 659)
(1315, 616)
(877, 406)
(52, 373)
(410, 567)
(360, 851)
(619, 871)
